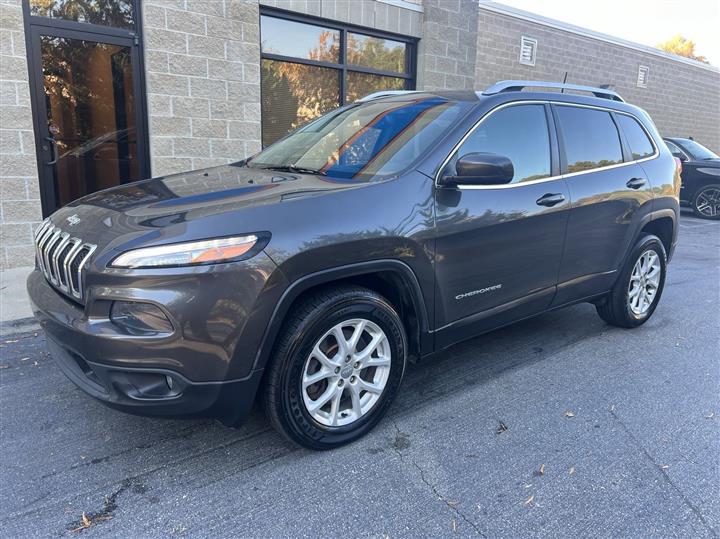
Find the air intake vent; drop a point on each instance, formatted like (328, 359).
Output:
(643, 72)
(62, 258)
(528, 51)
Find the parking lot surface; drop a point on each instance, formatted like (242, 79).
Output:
(560, 426)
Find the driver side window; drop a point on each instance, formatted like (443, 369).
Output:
(518, 132)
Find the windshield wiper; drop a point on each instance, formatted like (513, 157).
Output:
(294, 168)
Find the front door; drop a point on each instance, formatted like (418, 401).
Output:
(498, 248)
(87, 100)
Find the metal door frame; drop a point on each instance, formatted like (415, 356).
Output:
(37, 26)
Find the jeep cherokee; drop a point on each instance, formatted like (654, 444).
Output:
(384, 230)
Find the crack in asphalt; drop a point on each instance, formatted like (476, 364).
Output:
(401, 443)
(664, 474)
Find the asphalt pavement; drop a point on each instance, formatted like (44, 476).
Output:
(559, 426)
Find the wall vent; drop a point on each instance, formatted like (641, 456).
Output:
(642, 80)
(528, 51)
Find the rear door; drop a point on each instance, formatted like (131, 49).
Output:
(498, 247)
(610, 195)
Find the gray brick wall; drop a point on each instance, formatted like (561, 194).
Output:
(202, 59)
(446, 56)
(19, 193)
(375, 14)
(682, 99)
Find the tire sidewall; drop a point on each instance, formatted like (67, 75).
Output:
(693, 203)
(645, 244)
(299, 421)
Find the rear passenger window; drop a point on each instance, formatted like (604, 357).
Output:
(519, 133)
(591, 138)
(637, 139)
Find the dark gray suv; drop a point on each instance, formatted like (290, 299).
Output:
(385, 230)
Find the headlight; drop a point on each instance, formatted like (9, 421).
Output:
(186, 254)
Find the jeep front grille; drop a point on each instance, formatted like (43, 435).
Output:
(62, 258)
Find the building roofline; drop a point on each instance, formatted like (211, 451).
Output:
(489, 5)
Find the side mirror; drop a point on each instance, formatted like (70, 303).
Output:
(680, 156)
(481, 169)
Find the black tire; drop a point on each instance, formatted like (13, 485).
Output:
(614, 309)
(696, 200)
(282, 395)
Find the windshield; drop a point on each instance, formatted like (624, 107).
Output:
(366, 140)
(698, 151)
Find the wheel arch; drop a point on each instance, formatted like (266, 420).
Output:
(393, 279)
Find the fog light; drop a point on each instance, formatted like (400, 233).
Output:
(139, 318)
(170, 381)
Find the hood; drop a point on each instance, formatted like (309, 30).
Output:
(229, 196)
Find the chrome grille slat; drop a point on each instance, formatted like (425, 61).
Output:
(57, 252)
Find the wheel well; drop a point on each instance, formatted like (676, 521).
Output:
(663, 229)
(393, 287)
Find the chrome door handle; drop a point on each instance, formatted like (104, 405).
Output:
(550, 199)
(636, 183)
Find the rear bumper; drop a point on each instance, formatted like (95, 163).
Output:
(130, 374)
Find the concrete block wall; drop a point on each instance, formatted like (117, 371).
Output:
(385, 15)
(683, 99)
(19, 191)
(447, 55)
(202, 62)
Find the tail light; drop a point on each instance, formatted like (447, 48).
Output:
(678, 165)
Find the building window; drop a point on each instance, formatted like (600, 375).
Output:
(642, 80)
(310, 67)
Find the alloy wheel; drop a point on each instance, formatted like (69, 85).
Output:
(345, 374)
(707, 202)
(644, 283)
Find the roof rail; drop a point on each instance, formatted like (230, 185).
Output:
(517, 85)
(383, 93)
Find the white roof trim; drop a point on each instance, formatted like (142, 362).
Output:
(496, 7)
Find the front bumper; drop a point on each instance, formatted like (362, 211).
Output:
(144, 376)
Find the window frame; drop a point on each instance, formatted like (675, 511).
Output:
(556, 141)
(410, 75)
(552, 141)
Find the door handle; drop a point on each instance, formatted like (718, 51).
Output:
(550, 199)
(53, 146)
(636, 183)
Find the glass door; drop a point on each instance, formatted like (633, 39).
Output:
(89, 115)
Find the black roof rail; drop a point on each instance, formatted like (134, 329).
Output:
(517, 85)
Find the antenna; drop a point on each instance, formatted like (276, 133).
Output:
(564, 81)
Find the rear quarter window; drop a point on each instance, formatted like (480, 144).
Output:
(590, 138)
(640, 144)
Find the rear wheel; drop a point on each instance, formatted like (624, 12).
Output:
(706, 202)
(637, 291)
(336, 368)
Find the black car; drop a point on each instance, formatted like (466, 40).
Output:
(383, 231)
(700, 176)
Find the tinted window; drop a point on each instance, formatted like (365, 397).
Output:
(519, 133)
(103, 12)
(309, 69)
(639, 143)
(674, 149)
(698, 151)
(291, 38)
(591, 138)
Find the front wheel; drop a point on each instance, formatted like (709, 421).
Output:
(336, 367)
(637, 291)
(706, 202)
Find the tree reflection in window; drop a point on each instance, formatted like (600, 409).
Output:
(118, 13)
